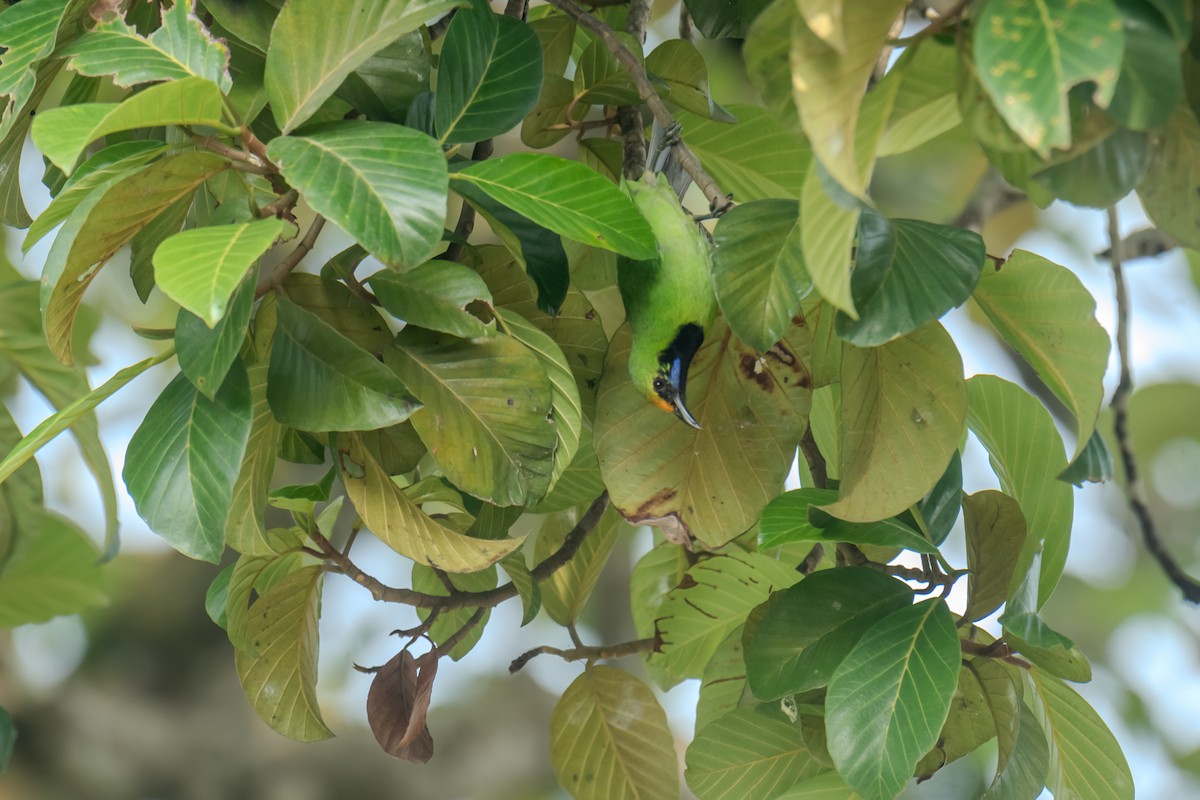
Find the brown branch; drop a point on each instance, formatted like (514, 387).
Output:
(629, 118)
(814, 459)
(466, 215)
(517, 9)
(242, 160)
(998, 649)
(460, 634)
(281, 206)
(492, 597)
(717, 200)
(292, 259)
(685, 24)
(1138, 502)
(585, 653)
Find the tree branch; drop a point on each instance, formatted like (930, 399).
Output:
(585, 653)
(629, 118)
(1120, 405)
(717, 200)
(814, 459)
(292, 259)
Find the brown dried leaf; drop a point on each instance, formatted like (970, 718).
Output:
(398, 703)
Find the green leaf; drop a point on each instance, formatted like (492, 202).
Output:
(903, 408)
(280, 677)
(987, 690)
(654, 575)
(680, 65)
(245, 531)
(1045, 313)
(184, 459)
(712, 600)
(54, 572)
(829, 786)
(540, 128)
(600, 79)
(311, 52)
(1093, 464)
(661, 472)
(927, 100)
(8, 737)
(811, 627)
(1174, 169)
(29, 35)
(216, 599)
(489, 75)
(1058, 44)
(556, 33)
(938, 511)
(450, 621)
(1085, 759)
(118, 160)
(435, 296)
(785, 518)
(1027, 456)
(565, 593)
(888, 699)
(828, 86)
(754, 747)
(827, 239)
(885, 533)
(754, 159)
(1023, 762)
(205, 354)
(396, 520)
(321, 381)
(609, 739)
(1102, 173)
(907, 273)
(335, 305)
(719, 18)
(758, 269)
(200, 268)
(384, 184)
(103, 223)
(566, 197)
(767, 53)
(995, 532)
(61, 134)
(385, 85)
(180, 48)
(487, 420)
(528, 589)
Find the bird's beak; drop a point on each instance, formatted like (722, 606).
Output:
(678, 379)
(682, 412)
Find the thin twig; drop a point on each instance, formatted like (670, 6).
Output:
(281, 206)
(466, 215)
(1120, 404)
(585, 653)
(629, 118)
(242, 160)
(814, 459)
(292, 259)
(717, 200)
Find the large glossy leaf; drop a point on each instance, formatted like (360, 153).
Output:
(1026, 454)
(1174, 169)
(395, 519)
(709, 484)
(712, 600)
(828, 85)
(811, 627)
(200, 268)
(888, 699)
(754, 158)
(1100, 174)
(609, 739)
(104, 222)
(54, 572)
(907, 272)
(995, 532)
(566, 197)
(435, 296)
(280, 677)
(183, 460)
(903, 409)
(750, 752)
(384, 184)
(180, 48)
(1045, 313)
(489, 75)
(487, 423)
(1085, 758)
(246, 530)
(61, 134)
(566, 592)
(758, 269)
(312, 51)
(1058, 43)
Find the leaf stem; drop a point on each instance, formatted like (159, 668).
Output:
(290, 262)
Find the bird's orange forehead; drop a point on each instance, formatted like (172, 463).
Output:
(661, 403)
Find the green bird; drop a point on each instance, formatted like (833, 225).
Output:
(669, 300)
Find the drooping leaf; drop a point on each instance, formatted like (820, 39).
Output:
(61, 134)
(184, 459)
(180, 48)
(888, 699)
(995, 531)
(384, 184)
(752, 408)
(280, 677)
(397, 705)
(489, 75)
(754, 158)
(54, 572)
(311, 51)
(435, 296)
(758, 269)
(903, 409)
(200, 268)
(812, 626)
(907, 272)
(395, 519)
(1027, 456)
(755, 746)
(1058, 44)
(246, 530)
(487, 422)
(566, 197)
(609, 739)
(321, 381)
(987, 698)
(1093, 464)
(1024, 760)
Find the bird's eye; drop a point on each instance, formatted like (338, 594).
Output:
(660, 384)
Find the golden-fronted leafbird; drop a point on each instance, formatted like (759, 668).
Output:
(669, 300)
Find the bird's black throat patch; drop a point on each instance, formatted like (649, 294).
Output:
(687, 341)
